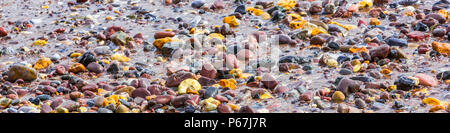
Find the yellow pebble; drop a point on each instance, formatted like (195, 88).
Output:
(42, 63)
(230, 83)
(189, 85)
(385, 71)
(231, 20)
(257, 12)
(431, 101)
(357, 67)
(74, 55)
(45, 6)
(286, 4)
(332, 63)
(40, 42)
(120, 57)
(392, 87)
(159, 43)
(216, 35)
(109, 18)
(374, 21)
(105, 61)
(125, 68)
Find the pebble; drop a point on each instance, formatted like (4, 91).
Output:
(76, 68)
(269, 81)
(209, 71)
(338, 97)
(3, 32)
(405, 83)
(348, 86)
(210, 92)
(95, 67)
(345, 71)
(426, 80)
(21, 72)
(87, 58)
(197, 3)
(102, 50)
(396, 42)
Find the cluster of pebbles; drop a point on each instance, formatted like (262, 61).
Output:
(224, 56)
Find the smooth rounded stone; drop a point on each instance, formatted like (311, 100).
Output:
(87, 58)
(197, 3)
(140, 92)
(45, 108)
(218, 4)
(381, 52)
(28, 109)
(316, 7)
(163, 99)
(204, 81)
(240, 9)
(113, 68)
(345, 71)
(285, 39)
(25, 73)
(104, 110)
(363, 78)
(210, 92)
(333, 46)
(44, 97)
(439, 32)
(437, 16)
(269, 81)
(175, 79)
(163, 34)
(95, 67)
(405, 83)
(360, 104)
(426, 80)
(128, 89)
(224, 108)
(75, 95)
(122, 109)
(342, 59)
(55, 57)
(443, 75)
(89, 87)
(209, 71)
(338, 97)
(247, 109)
(180, 100)
(396, 42)
(348, 86)
(98, 101)
(3, 32)
(102, 50)
(317, 40)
